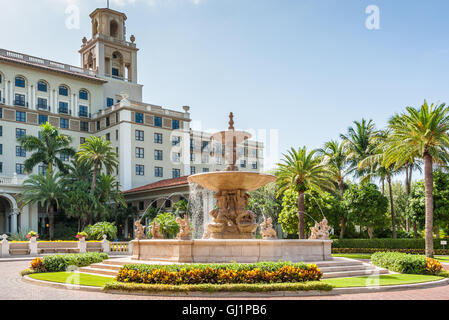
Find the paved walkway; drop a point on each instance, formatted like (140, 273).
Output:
(12, 287)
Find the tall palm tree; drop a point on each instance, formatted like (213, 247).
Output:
(335, 154)
(47, 149)
(46, 190)
(358, 141)
(421, 133)
(97, 153)
(303, 171)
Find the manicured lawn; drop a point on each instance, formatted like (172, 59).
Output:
(384, 280)
(442, 258)
(353, 255)
(77, 278)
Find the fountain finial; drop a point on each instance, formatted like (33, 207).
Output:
(231, 121)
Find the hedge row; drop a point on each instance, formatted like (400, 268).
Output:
(56, 263)
(406, 263)
(266, 272)
(385, 243)
(373, 250)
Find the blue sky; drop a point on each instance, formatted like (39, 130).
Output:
(306, 68)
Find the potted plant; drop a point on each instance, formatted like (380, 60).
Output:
(81, 235)
(32, 234)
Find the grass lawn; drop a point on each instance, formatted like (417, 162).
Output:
(384, 280)
(353, 255)
(442, 258)
(78, 278)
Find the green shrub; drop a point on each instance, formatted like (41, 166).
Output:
(169, 226)
(406, 263)
(57, 263)
(373, 250)
(384, 243)
(101, 228)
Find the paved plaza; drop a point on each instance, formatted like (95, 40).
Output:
(13, 288)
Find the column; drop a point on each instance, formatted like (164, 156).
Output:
(14, 213)
(55, 103)
(50, 102)
(29, 100)
(34, 97)
(11, 94)
(71, 108)
(76, 106)
(6, 93)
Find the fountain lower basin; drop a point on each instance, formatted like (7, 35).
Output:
(227, 251)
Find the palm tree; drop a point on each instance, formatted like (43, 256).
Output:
(96, 152)
(335, 154)
(421, 133)
(46, 190)
(303, 171)
(359, 145)
(47, 149)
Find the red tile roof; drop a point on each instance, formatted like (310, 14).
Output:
(161, 184)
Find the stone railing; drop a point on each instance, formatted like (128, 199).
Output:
(117, 248)
(14, 181)
(46, 63)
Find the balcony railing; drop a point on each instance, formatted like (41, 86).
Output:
(14, 181)
(21, 103)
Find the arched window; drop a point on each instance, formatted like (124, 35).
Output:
(113, 28)
(63, 91)
(20, 82)
(84, 95)
(42, 86)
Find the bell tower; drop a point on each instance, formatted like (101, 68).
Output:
(108, 52)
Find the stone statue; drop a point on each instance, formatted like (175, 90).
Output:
(140, 231)
(266, 229)
(185, 231)
(320, 231)
(155, 231)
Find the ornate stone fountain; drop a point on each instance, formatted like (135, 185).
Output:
(230, 238)
(231, 219)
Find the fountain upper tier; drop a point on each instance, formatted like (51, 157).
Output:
(232, 180)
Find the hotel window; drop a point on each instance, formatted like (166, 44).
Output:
(108, 121)
(192, 157)
(20, 133)
(176, 141)
(20, 168)
(84, 95)
(63, 107)
(42, 103)
(175, 124)
(158, 138)
(108, 137)
(192, 144)
(1, 113)
(116, 118)
(64, 123)
(243, 164)
(205, 158)
(115, 72)
(192, 170)
(139, 117)
(205, 146)
(1, 167)
(140, 170)
(1, 131)
(20, 152)
(42, 170)
(254, 153)
(205, 169)
(158, 172)
(109, 102)
(158, 155)
(141, 205)
(116, 135)
(64, 156)
(42, 86)
(1, 148)
(140, 153)
(63, 91)
(140, 135)
(98, 125)
(84, 126)
(176, 173)
(167, 203)
(254, 166)
(176, 157)
(83, 112)
(19, 100)
(157, 121)
(43, 119)
(20, 82)
(21, 116)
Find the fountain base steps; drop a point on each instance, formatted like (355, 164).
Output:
(335, 268)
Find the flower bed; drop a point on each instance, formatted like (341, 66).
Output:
(265, 272)
(374, 250)
(56, 263)
(406, 263)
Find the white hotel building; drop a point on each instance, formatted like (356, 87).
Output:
(100, 98)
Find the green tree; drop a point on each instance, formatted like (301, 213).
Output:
(264, 203)
(45, 190)
(101, 228)
(303, 171)
(169, 227)
(421, 133)
(181, 207)
(47, 149)
(366, 206)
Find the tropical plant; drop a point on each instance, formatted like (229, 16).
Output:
(47, 149)
(45, 190)
(180, 207)
(101, 228)
(264, 203)
(421, 133)
(20, 235)
(168, 225)
(302, 171)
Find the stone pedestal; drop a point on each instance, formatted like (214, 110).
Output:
(243, 251)
(106, 248)
(82, 245)
(5, 246)
(33, 246)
